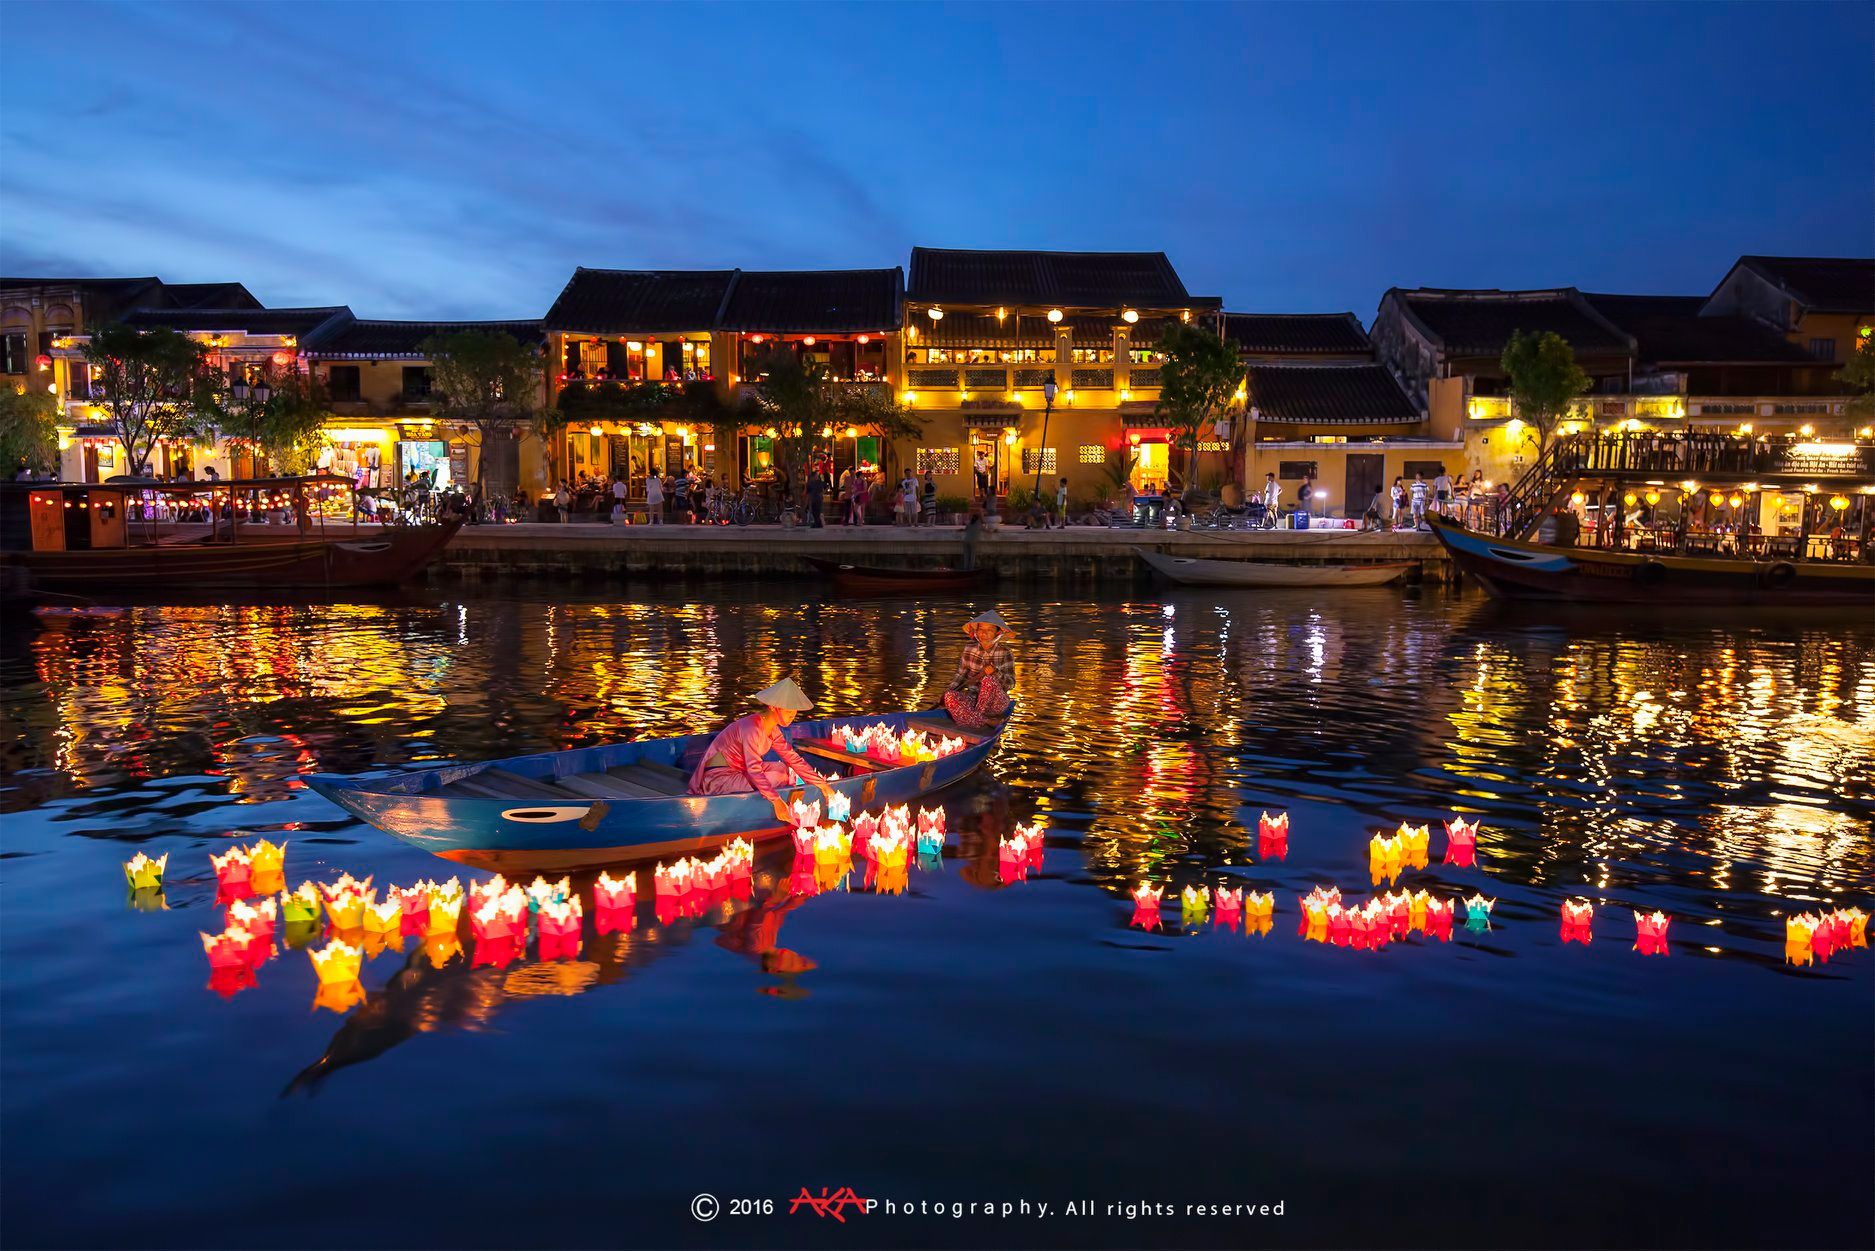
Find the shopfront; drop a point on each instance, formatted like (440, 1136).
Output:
(365, 454)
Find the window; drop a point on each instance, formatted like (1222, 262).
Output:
(1429, 469)
(1047, 460)
(416, 382)
(342, 384)
(938, 460)
(1093, 454)
(1296, 469)
(16, 359)
(1823, 349)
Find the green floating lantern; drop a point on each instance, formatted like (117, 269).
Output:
(301, 907)
(144, 873)
(1478, 914)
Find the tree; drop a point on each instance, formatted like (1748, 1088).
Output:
(152, 385)
(1544, 381)
(29, 431)
(488, 385)
(1858, 374)
(799, 401)
(1198, 386)
(286, 427)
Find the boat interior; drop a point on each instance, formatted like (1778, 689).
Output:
(654, 769)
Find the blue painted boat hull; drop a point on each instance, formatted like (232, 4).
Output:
(528, 835)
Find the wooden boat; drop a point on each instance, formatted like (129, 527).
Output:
(621, 802)
(1520, 569)
(75, 536)
(1190, 571)
(875, 580)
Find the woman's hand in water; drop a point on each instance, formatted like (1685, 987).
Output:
(783, 813)
(826, 789)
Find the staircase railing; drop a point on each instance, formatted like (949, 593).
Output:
(1537, 489)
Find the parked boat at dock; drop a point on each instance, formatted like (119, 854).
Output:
(1191, 571)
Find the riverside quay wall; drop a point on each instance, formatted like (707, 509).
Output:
(1078, 554)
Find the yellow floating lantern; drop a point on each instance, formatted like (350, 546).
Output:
(337, 961)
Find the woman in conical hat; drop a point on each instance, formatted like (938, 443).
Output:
(979, 695)
(736, 761)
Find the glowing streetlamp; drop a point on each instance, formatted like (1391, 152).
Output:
(1048, 408)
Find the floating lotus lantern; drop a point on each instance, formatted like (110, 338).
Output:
(839, 807)
(1229, 907)
(445, 910)
(804, 875)
(865, 825)
(1146, 907)
(1823, 938)
(1194, 904)
(1340, 925)
(615, 894)
(233, 869)
(498, 952)
(347, 911)
(1416, 841)
(231, 980)
(144, 873)
(413, 904)
(346, 885)
(232, 948)
(1650, 933)
(806, 815)
(258, 918)
(541, 891)
(930, 831)
(1439, 919)
(1461, 843)
(479, 892)
(1259, 911)
(1855, 926)
(1478, 913)
(558, 924)
(1798, 933)
(302, 906)
(1385, 858)
(385, 916)
(264, 858)
(1012, 859)
(1416, 910)
(1399, 909)
(1578, 916)
(1273, 836)
(337, 961)
(498, 917)
(1313, 925)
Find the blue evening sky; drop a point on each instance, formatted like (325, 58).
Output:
(418, 160)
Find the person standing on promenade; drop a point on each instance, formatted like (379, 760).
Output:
(929, 501)
(1441, 492)
(1419, 492)
(816, 488)
(978, 696)
(563, 502)
(736, 761)
(654, 497)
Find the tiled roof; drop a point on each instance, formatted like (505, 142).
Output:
(1296, 334)
(1328, 393)
(1480, 323)
(1822, 284)
(102, 286)
(209, 295)
(835, 301)
(1068, 279)
(644, 301)
(294, 321)
(388, 340)
(1668, 329)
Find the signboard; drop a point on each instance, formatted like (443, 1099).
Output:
(458, 463)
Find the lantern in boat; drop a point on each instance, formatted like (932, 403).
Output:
(144, 873)
(1478, 913)
(1273, 836)
(806, 814)
(1650, 933)
(265, 858)
(1461, 843)
(258, 918)
(337, 961)
(1146, 907)
(302, 906)
(1194, 904)
(1229, 907)
(1578, 917)
(233, 869)
(558, 925)
(1417, 841)
(1439, 919)
(1798, 933)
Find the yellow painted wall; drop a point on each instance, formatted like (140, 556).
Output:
(1840, 327)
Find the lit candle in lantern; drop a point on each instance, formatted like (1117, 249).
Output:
(1416, 840)
(1798, 931)
(265, 858)
(1578, 917)
(144, 873)
(1416, 913)
(1385, 858)
(385, 916)
(337, 961)
(1229, 907)
(445, 913)
(1439, 919)
(414, 908)
(1650, 933)
(1259, 911)
(1313, 927)
(558, 924)
(1478, 913)
(347, 909)
(302, 906)
(233, 869)
(1273, 836)
(839, 807)
(1461, 843)
(258, 918)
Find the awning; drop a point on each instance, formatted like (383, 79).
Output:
(991, 420)
(1141, 415)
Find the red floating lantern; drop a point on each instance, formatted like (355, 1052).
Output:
(1439, 919)
(1578, 916)
(1229, 914)
(1273, 836)
(1146, 907)
(1461, 843)
(1650, 933)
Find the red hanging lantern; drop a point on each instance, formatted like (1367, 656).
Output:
(42, 361)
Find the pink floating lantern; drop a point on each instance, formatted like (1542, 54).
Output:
(234, 869)
(1012, 860)
(1439, 919)
(231, 949)
(1146, 907)
(1229, 904)
(1461, 843)
(1578, 916)
(558, 924)
(257, 917)
(414, 919)
(1273, 836)
(1650, 933)
(498, 952)
(1340, 926)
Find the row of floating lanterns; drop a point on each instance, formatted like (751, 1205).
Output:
(885, 843)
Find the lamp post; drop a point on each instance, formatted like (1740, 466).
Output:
(1049, 391)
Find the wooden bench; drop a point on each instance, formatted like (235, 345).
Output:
(604, 786)
(656, 778)
(825, 749)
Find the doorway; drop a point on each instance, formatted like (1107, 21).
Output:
(1150, 464)
(1367, 471)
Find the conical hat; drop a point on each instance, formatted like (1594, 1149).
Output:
(992, 617)
(785, 694)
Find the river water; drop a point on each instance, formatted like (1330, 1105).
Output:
(966, 1041)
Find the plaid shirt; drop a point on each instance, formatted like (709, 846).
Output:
(978, 660)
